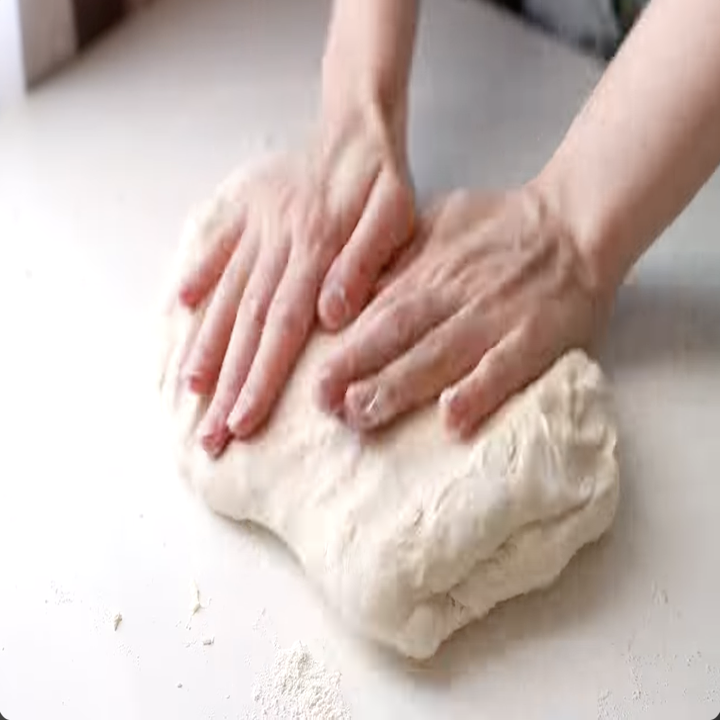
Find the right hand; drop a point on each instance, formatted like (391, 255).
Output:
(492, 291)
(315, 234)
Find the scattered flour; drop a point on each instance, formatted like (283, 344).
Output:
(260, 620)
(608, 709)
(196, 604)
(299, 687)
(660, 596)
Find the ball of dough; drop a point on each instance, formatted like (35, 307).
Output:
(408, 534)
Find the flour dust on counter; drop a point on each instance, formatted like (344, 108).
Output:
(196, 603)
(608, 708)
(297, 686)
(409, 534)
(653, 667)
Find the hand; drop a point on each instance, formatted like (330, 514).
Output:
(490, 293)
(313, 231)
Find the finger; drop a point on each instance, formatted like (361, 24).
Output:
(204, 274)
(241, 350)
(520, 357)
(385, 225)
(425, 230)
(442, 357)
(286, 328)
(405, 260)
(376, 341)
(205, 359)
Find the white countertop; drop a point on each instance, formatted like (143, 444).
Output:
(96, 172)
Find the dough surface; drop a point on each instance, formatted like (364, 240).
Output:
(409, 534)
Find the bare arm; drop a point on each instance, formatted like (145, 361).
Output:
(313, 229)
(365, 77)
(646, 141)
(504, 283)
(367, 59)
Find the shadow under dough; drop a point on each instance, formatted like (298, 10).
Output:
(654, 323)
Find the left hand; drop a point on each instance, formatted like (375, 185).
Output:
(491, 292)
(314, 232)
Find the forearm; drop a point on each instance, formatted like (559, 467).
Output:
(647, 139)
(366, 66)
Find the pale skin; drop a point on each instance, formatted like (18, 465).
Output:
(466, 301)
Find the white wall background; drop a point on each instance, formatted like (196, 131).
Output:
(11, 66)
(48, 36)
(36, 36)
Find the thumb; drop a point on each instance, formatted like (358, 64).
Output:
(384, 227)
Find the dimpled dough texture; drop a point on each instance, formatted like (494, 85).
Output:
(409, 535)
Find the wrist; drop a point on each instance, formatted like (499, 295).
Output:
(361, 110)
(362, 98)
(596, 233)
(366, 65)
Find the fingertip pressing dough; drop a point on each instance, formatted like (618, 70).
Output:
(408, 534)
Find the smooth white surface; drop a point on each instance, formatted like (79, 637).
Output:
(96, 172)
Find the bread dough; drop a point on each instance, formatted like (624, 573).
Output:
(409, 534)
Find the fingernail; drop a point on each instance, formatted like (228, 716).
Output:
(449, 403)
(452, 414)
(194, 382)
(330, 404)
(187, 297)
(447, 396)
(212, 438)
(366, 407)
(337, 307)
(240, 414)
(190, 374)
(327, 396)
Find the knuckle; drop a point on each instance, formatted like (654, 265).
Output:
(360, 272)
(402, 197)
(401, 319)
(255, 311)
(291, 319)
(398, 212)
(533, 330)
(311, 226)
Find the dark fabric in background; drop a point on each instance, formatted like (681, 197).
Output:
(514, 5)
(93, 17)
